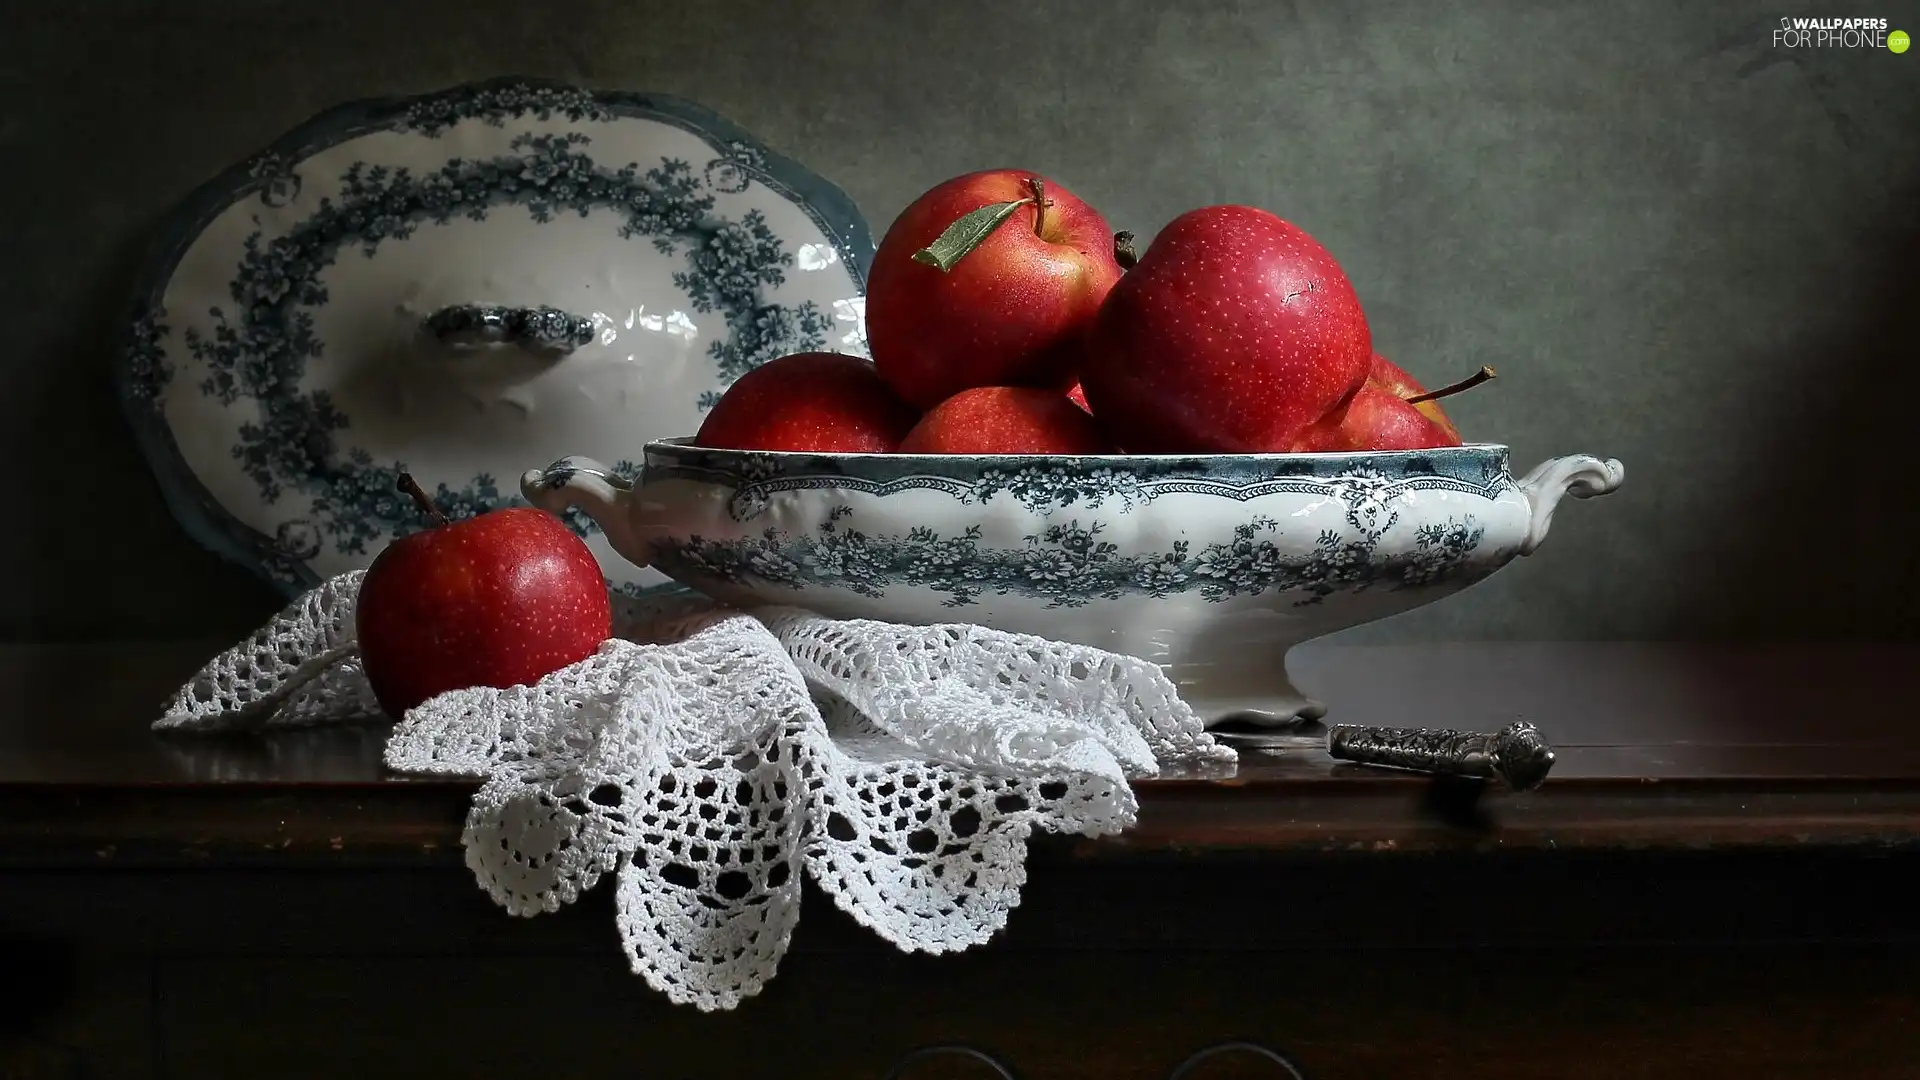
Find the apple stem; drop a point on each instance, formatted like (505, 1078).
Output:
(421, 499)
(1040, 203)
(1123, 252)
(1483, 375)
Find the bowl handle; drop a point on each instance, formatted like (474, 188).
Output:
(1582, 476)
(605, 497)
(543, 330)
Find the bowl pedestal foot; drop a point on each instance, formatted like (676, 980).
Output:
(1245, 697)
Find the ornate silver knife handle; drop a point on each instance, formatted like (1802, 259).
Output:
(1516, 755)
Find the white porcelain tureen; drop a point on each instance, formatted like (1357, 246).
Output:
(455, 284)
(1211, 566)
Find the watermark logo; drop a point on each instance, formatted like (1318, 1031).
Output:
(1817, 33)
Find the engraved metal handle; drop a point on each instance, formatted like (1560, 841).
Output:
(1516, 755)
(546, 331)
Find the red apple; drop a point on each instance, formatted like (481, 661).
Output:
(1376, 419)
(1007, 420)
(1234, 333)
(1396, 380)
(822, 402)
(1003, 298)
(1391, 412)
(501, 599)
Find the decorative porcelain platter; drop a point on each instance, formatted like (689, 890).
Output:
(459, 285)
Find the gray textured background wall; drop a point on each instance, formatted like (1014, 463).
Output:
(1680, 246)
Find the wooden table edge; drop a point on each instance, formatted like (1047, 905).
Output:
(116, 824)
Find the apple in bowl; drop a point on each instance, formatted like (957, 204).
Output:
(1194, 455)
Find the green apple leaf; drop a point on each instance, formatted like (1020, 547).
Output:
(966, 234)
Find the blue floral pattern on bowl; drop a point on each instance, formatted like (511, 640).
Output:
(255, 403)
(1214, 566)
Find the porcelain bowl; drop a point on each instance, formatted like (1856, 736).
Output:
(1211, 566)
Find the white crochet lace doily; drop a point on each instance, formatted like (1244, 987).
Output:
(707, 756)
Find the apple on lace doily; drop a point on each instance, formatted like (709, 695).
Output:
(708, 757)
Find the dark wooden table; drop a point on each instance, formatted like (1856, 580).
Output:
(1718, 880)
